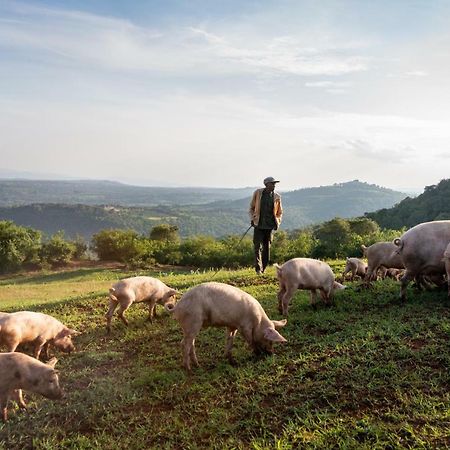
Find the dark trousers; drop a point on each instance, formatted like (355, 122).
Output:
(261, 242)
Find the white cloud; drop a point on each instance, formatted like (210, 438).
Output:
(119, 44)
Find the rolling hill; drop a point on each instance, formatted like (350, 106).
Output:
(433, 204)
(302, 207)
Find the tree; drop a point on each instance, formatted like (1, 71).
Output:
(165, 232)
(18, 246)
(57, 250)
(116, 245)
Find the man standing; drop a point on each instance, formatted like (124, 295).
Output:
(265, 215)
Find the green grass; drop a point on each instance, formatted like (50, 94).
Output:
(367, 373)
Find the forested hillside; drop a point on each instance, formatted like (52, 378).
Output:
(301, 208)
(25, 192)
(433, 204)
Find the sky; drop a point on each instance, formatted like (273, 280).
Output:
(225, 93)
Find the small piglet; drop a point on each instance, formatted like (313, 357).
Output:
(41, 329)
(305, 273)
(137, 289)
(19, 371)
(221, 305)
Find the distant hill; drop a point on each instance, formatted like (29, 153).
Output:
(433, 204)
(219, 218)
(304, 207)
(25, 192)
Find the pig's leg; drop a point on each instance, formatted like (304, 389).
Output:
(38, 347)
(124, 305)
(11, 345)
(18, 397)
(405, 280)
(193, 355)
(45, 351)
(229, 344)
(326, 296)
(287, 298)
(280, 295)
(151, 310)
(186, 345)
(313, 298)
(3, 405)
(112, 307)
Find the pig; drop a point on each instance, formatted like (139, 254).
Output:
(305, 273)
(380, 255)
(40, 329)
(19, 371)
(356, 267)
(137, 289)
(395, 274)
(221, 305)
(447, 266)
(422, 249)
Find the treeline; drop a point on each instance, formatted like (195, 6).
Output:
(433, 204)
(22, 247)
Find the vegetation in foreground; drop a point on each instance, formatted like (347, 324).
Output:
(367, 373)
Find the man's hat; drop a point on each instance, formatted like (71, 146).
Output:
(270, 180)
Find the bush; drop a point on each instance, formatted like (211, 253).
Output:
(18, 246)
(117, 245)
(57, 251)
(165, 232)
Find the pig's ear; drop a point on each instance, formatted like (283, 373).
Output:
(279, 323)
(272, 335)
(52, 362)
(171, 293)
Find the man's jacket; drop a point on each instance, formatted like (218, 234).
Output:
(255, 207)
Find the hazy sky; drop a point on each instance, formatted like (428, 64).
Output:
(224, 93)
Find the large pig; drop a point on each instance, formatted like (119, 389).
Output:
(305, 273)
(40, 329)
(356, 267)
(422, 250)
(137, 289)
(19, 371)
(381, 255)
(221, 305)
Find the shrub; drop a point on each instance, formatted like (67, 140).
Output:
(57, 250)
(18, 246)
(117, 245)
(165, 232)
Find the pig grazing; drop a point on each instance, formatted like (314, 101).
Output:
(422, 250)
(356, 267)
(137, 289)
(305, 273)
(19, 371)
(221, 305)
(381, 255)
(38, 328)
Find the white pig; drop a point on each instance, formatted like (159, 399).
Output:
(422, 250)
(305, 273)
(40, 329)
(221, 305)
(137, 289)
(19, 371)
(356, 267)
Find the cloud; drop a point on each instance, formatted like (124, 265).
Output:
(363, 149)
(118, 44)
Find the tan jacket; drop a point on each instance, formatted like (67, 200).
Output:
(255, 207)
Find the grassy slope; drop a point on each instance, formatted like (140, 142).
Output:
(367, 373)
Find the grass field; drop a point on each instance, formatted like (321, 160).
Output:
(367, 373)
